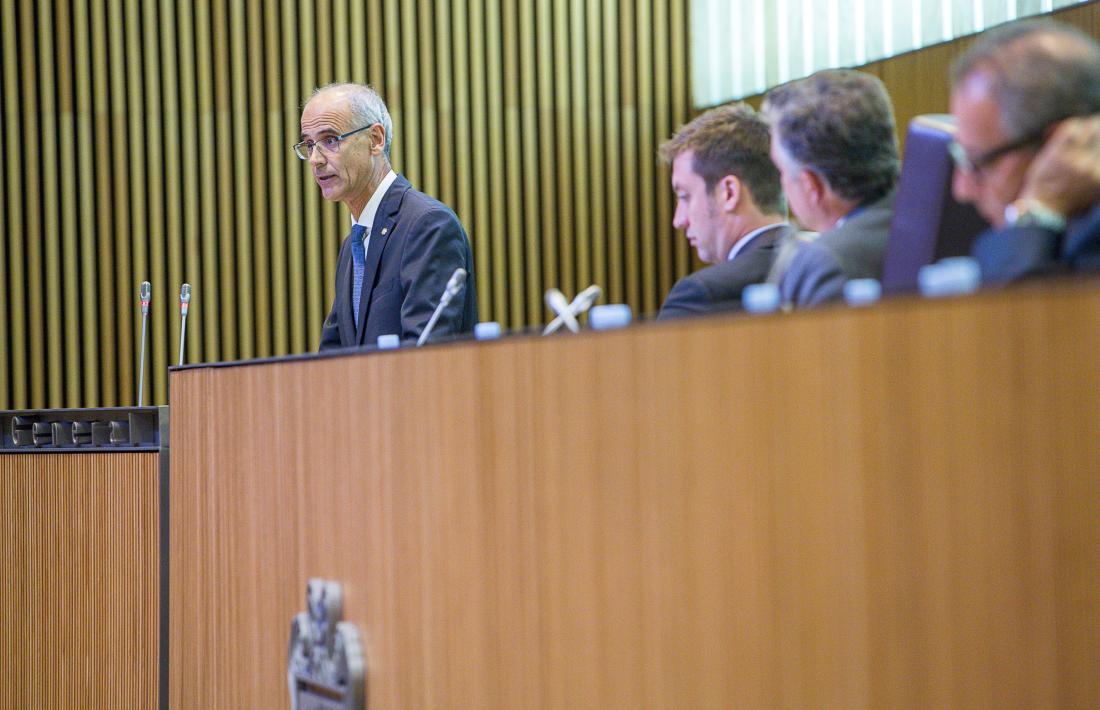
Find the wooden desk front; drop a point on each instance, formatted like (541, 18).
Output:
(893, 507)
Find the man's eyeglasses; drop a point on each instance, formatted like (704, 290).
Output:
(330, 144)
(976, 164)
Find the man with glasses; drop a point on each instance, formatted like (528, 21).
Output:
(404, 245)
(1025, 157)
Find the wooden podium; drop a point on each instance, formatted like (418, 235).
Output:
(887, 507)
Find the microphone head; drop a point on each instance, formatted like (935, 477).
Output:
(555, 299)
(145, 294)
(458, 280)
(454, 286)
(584, 300)
(185, 299)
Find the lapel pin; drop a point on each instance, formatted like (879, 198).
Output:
(384, 230)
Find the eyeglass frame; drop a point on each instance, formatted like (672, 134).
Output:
(975, 166)
(335, 140)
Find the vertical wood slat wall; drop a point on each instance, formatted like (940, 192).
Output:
(151, 141)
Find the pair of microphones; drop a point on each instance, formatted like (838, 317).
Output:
(566, 311)
(145, 297)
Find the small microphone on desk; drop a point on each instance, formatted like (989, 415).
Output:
(569, 312)
(555, 300)
(145, 295)
(454, 287)
(185, 304)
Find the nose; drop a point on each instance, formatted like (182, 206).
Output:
(316, 156)
(963, 186)
(679, 218)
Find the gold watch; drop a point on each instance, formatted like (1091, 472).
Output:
(1033, 213)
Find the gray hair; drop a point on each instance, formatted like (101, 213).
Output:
(1042, 72)
(840, 124)
(367, 108)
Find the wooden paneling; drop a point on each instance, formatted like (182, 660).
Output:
(151, 141)
(891, 507)
(79, 609)
(919, 81)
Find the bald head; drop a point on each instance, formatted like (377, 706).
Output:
(346, 134)
(1038, 72)
(366, 106)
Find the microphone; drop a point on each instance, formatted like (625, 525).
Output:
(581, 303)
(555, 299)
(454, 287)
(185, 304)
(145, 295)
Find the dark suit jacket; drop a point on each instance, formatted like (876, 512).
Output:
(718, 288)
(854, 250)
(416, 243)
(1015, 253)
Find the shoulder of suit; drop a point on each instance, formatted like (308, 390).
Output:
(872, 222)
(423, 200)
(812, 256)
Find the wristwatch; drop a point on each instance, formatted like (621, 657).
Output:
(1033, 213)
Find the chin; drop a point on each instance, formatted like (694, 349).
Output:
(995, 217)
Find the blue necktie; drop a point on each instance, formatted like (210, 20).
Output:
(359, 261)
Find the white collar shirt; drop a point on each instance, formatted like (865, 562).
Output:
(744, 241)
(367, 217)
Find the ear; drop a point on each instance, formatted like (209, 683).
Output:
(377, 138)
(728, 193)
(813, 185)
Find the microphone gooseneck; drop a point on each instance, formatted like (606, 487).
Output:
(185, 305)
(145, 295)
(454, 287)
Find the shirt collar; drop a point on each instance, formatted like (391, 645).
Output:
(743, 242)
(367, 217)
(848, 216)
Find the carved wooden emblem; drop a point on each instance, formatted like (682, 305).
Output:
(325, 665)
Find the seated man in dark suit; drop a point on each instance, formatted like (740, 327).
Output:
(1023, 159)
(729, 203)
(403, 247)
(834, 142)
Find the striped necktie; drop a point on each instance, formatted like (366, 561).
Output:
(359, 261)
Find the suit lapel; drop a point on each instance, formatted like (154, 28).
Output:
(384, 221)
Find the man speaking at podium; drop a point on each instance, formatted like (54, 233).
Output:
(404, 245)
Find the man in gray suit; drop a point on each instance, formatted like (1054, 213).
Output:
(729, 204)
(834, 143)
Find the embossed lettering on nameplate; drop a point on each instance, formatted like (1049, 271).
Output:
(325, 665)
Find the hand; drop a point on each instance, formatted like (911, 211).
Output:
(1065, 175)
